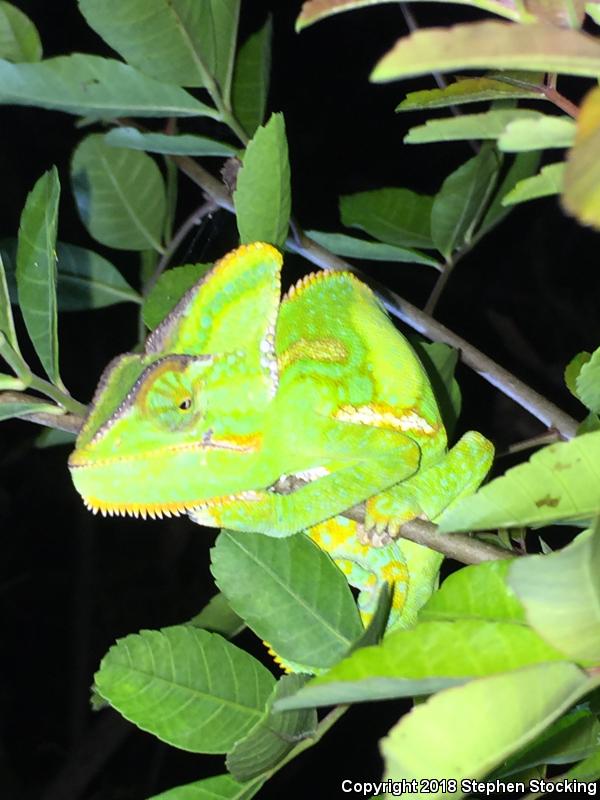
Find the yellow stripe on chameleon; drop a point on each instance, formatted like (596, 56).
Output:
(326, 349)
(379, 415)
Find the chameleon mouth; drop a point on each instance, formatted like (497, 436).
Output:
(143, 510)
(160, 510)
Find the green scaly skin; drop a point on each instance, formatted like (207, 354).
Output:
(259, 414)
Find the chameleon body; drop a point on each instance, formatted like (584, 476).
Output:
(254, 413)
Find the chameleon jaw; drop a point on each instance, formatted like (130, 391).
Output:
(160, 510)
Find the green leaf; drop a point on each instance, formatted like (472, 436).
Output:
(9, 382)
(300, 601)
(176, 41)
(314, 10)
(84, 278)
(477, 592)
(548, 181)
(440, 362)
(590, 424)
(588, 381)
(588, 769)
(581, 195)
(251, 78)
(263, 195)
(351, 247)
(120, 195)
(458, 205)
(450, 736)
(424, 659)
(593, 10)
(217, 616)
(561, 596)
(573, 369)
(188, 687)
(272, 739)
(537, 134)
(19, 39)
(185, 144)
(487, 125)
(9, 408)
(524, 165)
(569, 739)
(220, 787)
(87, 280)
(474, 90)
(36, 270)
(51, 437)
(168, 291)
(395, 216)
(558, 484)
(491, 45)
(7, 323)
(97, 87)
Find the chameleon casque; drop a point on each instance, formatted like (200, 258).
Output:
(239, 395)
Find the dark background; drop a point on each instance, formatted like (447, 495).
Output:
(70, 583)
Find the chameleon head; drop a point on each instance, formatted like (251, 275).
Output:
(150, 444)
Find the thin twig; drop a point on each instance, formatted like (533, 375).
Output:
(559, 100)
(195, 218)
(439, 287)
(550, 437)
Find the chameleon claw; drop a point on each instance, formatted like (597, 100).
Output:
(380, 539)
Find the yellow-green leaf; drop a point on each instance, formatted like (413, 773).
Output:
(466, 731)
(537, 134)
(314, 10)
(581, 195)
(561, 596)
(488, 125)
(559, 483)
(548, 181)
(473, 90)
(491, 45)
(19, 39)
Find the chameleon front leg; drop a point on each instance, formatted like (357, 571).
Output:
(359, 462)
(430, 491)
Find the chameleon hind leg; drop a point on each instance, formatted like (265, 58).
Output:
(432, 490)
(365, 567)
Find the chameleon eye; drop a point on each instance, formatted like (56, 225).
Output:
(186, 404)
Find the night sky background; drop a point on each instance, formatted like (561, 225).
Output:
(71, 583)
